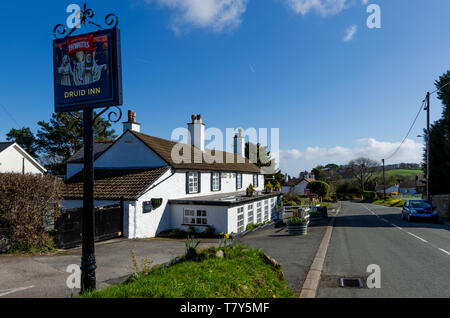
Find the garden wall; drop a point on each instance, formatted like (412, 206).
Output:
(442, 203)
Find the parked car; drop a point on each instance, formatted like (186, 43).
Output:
(419, 209)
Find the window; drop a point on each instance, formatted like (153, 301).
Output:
(238, 180)
(240, 219)
(215, 181)
(193, 182)
(193, 217)
(250, 213)
(255, 180)
(189, 217)
(266, 210)
(258, 213)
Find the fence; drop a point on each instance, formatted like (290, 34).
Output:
(303, 211)
(108, 225)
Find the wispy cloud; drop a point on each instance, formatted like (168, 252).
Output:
(350, 33)
(216, 15)
(322, 7)
(294, 160)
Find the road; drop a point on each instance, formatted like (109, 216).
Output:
(414, 258)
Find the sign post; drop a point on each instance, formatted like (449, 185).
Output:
(87, 75)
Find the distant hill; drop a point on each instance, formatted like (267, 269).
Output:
(404, 172)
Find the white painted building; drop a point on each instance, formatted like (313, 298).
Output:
(298, 185)
(199, 187)
(14, 158)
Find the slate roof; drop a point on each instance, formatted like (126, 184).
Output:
(164, 147)
(114, 184)
(5, 144)
(99, 148)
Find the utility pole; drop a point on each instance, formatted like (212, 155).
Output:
(428, 145)
(384, 181)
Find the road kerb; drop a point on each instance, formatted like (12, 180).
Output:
(311, 283)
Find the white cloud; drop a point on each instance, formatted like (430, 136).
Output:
(323, 7)
(293, 161)
(217, 15)
(350, 33)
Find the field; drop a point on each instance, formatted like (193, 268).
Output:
(403, 172)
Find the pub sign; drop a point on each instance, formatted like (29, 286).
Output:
(87, 71)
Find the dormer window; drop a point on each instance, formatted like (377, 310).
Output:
(215, 181)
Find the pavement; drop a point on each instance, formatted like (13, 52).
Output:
(45, 276)
(294, 253)
(414, 258)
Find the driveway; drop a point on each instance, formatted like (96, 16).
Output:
(45, 276)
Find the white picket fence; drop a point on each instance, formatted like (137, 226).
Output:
(288, 211)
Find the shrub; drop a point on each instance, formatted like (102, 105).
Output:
(296, 221)
(278, 186)
(369, 196)
(252, 226)
(28, 205)
(320, 188)
(269, 186)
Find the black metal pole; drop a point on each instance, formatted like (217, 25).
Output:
(88, 281)
(428, 146)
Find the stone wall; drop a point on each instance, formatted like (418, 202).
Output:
(442, 203)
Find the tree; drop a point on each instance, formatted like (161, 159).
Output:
(363, 170)
(440, 142)
(263, 159)
(59, 138)
(25, 138)
(328, 174)
(320, 188)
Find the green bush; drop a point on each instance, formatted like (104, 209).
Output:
(320, 188)
(369, 196)
(28, 204)
(296, 221)
(252, 226)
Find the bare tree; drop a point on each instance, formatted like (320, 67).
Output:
(364, 171)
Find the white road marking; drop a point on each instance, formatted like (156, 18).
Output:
(5, 292)
(401, 229)
(442, 250)
(418, 237)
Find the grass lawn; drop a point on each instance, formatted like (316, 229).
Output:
(390, 202)
(242, 273)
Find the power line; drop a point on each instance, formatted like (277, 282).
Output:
(409, 131)
(438, 89)
(10, 116)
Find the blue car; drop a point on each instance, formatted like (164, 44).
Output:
(419, 209)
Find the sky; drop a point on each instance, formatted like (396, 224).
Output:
(334, 88)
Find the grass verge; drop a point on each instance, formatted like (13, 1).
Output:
(242, 273)
(391, 202)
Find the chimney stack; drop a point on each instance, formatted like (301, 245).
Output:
(239, 143)
(197, 132)
(131, 124)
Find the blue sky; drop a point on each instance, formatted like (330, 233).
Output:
(251, 63)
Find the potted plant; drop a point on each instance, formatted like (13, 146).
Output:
(269, 187)
(297, 226)
(250, 190)
(277, 186)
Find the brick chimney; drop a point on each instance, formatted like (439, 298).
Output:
(131, 124)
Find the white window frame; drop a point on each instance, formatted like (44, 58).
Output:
(238, 181)
(195, 217)
(193, 182)
(250, 216)
(215, 180)
(240, 219)
(258, 212)
(266, 210)
(255, 180)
